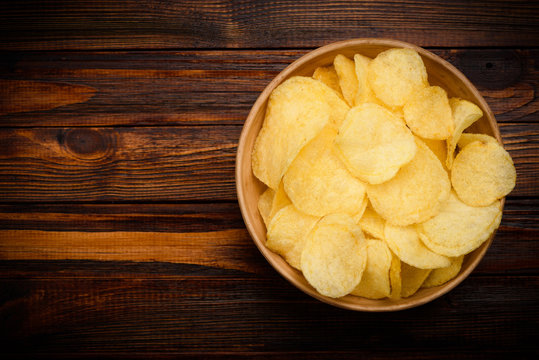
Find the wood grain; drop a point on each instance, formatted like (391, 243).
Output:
(69, 313)
(196, 87)
(53, 24)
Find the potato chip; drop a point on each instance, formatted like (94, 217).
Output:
(358, 215)
(287, 232)
(467, 138)
(328, 76)
(373, 143)
(428, 113)
(280, 200)
(416, 193)
(412, 279)
(483, 173)
(265, 202)
(375, 282)
(372, 224)
(459, 228)
(395, 277)
(318, 183)
(464, 114)
(405, 243)
(334, 256)
(346, 71)
(297, 111)
(439, 148)
(396, 74)
(441, 276)
(364, 92)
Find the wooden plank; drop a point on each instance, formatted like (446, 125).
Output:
(196, 87)
(72, 315)
(201, 234)
(81, 24)
(109, 164)
(159, 163)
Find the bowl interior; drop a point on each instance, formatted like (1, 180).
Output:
(249, 188)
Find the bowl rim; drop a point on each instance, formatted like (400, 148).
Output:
(249, 122)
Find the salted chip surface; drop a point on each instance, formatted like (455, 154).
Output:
(358, 215)
(364, 92)
(412, 279)
(373, 143)
(464, 113)
(459, 228)
(416, 193)
(396, 74)
(265, 202)
(375, 282)
(441, 276)
(428, 113)
(334, 256)
(287, 232)
(297, 111)
(346, 71)
(467, 138)
(318, 183)
(328, 76)
(483, 173)
(372, 224)
(405, 243)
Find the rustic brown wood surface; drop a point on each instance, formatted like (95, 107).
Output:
(120, 234)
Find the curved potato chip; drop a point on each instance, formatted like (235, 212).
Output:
(428, 113)
(467, 138)
(334, 256)
(375, 283)
(483, 173)
(346, 71)
(439, 148)
(265, 202)
(459, 229)
(441, 276)
(464, 114)
(364, 92)
(280, 200)
(405, 243)
(373, 143)
(328, 76)
(412, 279)
(395, 74)
(416, 193)
(361, 210)
(372, 223)
(318, 183)
(395, 277)
(287, 232)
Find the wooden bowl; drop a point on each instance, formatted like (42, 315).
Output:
(249, 188)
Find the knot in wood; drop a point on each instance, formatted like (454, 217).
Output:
(88, 144)
(493, 69)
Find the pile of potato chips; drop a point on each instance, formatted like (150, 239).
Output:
(365, 194)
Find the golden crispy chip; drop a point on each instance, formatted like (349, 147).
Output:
(428, 113)
(334, 256)
(464, 114)
(373, 143)
(361, 210)
(439, 148)
(412, 279)
(328, 76)
(364, 92)
(373, 224)
(441, 276)
(483, 173)
(280, 200)
(459, 229)
(318, 183)
(265, 202)
(405, 243)
(395, 277)
(467, 138)
(375, 283)
(297, 111)
(396, 74)
(416, 193)
(346, 71)
(287, 232)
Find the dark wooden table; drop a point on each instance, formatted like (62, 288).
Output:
(120, 231)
